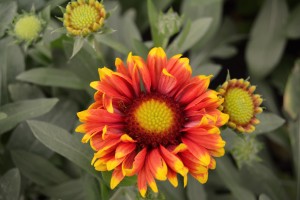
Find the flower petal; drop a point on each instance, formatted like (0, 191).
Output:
(173, 161)
(116, 178)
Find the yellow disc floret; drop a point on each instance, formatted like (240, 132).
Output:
(28, 28)
(154, 116)
(240, 104)
(82, 17)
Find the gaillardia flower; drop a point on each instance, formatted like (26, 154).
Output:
(152, 119)
(83, 17)
(27, 27)
(240, 104)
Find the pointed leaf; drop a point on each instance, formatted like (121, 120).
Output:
(195, 190)
(84, 64)
(8, 11)
(111, 42)
(24, 91)
(78, 44)
(91, 187)
(38, 169)
(65, 144)
(22, 138)
(207, 69)
(52, 77)
(10, 184)
(293, 28)
(3, 115)
(229, 175)
(190, 35)
(23, 110)
(12, 63)
(153, 19)
(264, 51)
(268, 122)
(194, 10)
(291, 98)
(71, 190)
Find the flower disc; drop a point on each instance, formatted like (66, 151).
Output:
(84, 17)
(28, 28)
(240, 104)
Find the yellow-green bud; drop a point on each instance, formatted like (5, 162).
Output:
(28, 28)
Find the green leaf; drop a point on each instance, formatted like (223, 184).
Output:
(38, 169)
(23, 139)
(54, 3)
(127, 32)
(191, 34)
(195, 9)
(52, 77)
(8, 11)
(294, 127)
(23, 110)
(269, 183)
(169, 192)
(63, 114)
(293, 27)
(291, 98)
(264, 51)
(111, 42)
(266, 91)
(28, 5)
(229, 175)
(207, 69)
(91, 187)
(125, 193)
(10, 184)
(104, 191)
(84, 64)
(24, 91)
(65, 144)
(12, 63)
(153, 14)
(140, 48)
(46, 14)
(218, 46)
(3, 115)
(78, 44)
(268, 122)
(195, 190)
(72, 190)
(224, 52)
(263, 197)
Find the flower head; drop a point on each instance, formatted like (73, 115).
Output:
(83, 17)
(27, 27)
(245, 150)
(240, 104)
(152, 119)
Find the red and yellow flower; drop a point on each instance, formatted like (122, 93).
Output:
(154, 120)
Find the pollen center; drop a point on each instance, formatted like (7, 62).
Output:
(239, 105)
(154, 120)
(154, 116)
(84, 16)
(28, 28)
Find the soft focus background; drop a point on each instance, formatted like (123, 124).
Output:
(42, 88)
